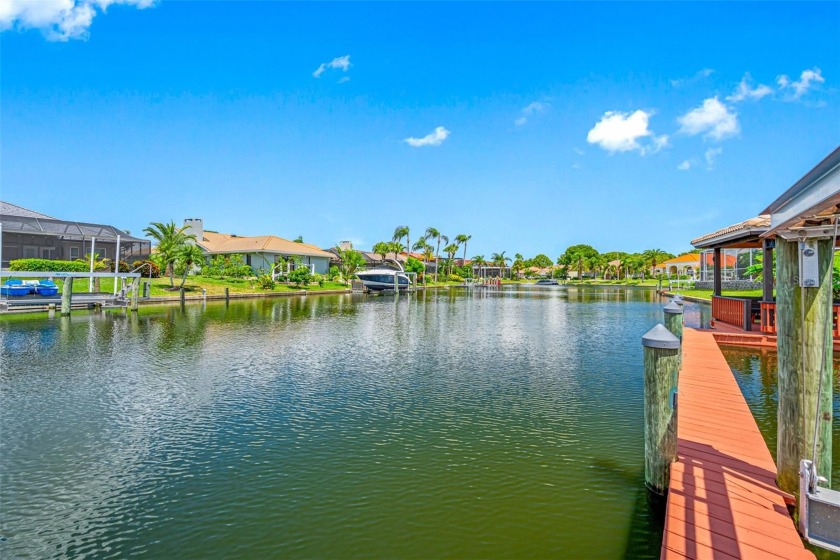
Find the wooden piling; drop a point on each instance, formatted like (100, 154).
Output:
(183, 297)
(661, 349)
(51, 310)
(674, 319)
(147, 289)
(800, 374)
(135, 294)
(227, 295)
(66, 296)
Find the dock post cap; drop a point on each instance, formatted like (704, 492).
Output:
(673, 308)
(678, 299)
(660, 337)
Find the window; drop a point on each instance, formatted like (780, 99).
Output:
(47, 252)
(30, 252)
(74, 253)
(248, 260)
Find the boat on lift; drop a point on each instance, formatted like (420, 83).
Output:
(383, 277)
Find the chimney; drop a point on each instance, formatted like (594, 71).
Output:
(345, 245)
(195, 226)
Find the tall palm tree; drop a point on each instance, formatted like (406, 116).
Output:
(399, 233)
(462, 239)
(500, 260)
(382, 248)
(651, 257)
(170, 239)
(432, 233)
(450, 250)
(518, 263)
(479, 262)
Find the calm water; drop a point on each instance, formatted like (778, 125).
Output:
(441, 424)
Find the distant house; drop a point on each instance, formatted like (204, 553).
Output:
(260, 252)
(684, 265)
(28, 234)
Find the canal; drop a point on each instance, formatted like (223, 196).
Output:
(450, 423)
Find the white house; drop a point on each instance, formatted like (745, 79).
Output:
(260, 252)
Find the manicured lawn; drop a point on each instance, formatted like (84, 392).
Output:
(707, 294)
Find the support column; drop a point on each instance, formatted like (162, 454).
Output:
(804, 350)
(718, 285)
(767, 273)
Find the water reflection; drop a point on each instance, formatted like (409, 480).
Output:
(492, 423)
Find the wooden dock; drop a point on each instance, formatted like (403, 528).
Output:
(723, 501)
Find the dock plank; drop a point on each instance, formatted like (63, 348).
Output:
(723, 501)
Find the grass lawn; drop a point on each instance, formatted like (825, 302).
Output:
(707, 294)
(194, 285)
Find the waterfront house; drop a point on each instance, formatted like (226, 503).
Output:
(684, 265)
(28, 234)
(261, 252)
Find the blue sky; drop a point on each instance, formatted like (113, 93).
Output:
(529, 126)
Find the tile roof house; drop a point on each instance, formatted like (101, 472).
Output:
(260, 252)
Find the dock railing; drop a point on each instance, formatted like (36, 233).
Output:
(734, 311)
(122, 288)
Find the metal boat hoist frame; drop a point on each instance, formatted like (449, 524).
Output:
(122, 289)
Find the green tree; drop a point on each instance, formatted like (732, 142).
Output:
(169, 241)
(298, 239)
(500, 260)
(415, 266)
(463, 239)
(450, 251)
(518, 264)
(399, 233)
(654, 256)
(189, 255)
(479, 262)
(382, 248)
(541, 261)
(578, 256)
(432, 233)
(351, 261)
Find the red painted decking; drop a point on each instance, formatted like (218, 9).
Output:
(723, 501)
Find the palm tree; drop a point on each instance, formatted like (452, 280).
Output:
(518, 263)
(399, 233)
(462, 239)
(432, 233)
(450, 250)
(188, 255)
(170, 238)
(651, 256)
(479, 261)
(382, 248)
(500, 260)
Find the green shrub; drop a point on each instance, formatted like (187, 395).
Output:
(47, 265)
(300, 276)
(455, 278)
(145, 270)
(265, 282)
(334, 273)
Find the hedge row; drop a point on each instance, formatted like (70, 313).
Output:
(47, 265)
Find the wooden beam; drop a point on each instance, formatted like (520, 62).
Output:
(718, 284)
(767, 273)
(804, 351)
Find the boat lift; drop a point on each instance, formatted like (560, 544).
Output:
(126, 288)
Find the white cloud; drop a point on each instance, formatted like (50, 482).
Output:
(712, 154)
(578, 151)
(686, 165)
(344, 80)
(621, 132)
(700, 75)
(340, 63)
(58, 20)
(435, 138)
(746, 91)
(807, 80)
(713, 119)
(533, 108)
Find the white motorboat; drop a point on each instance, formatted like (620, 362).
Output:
(382, 278)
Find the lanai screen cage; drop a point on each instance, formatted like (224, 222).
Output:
(734, 264)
